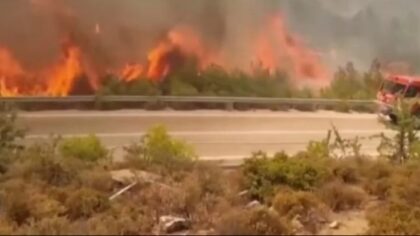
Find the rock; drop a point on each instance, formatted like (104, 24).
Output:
(253, 204)
(126, 176)
(172, 224)
(334, 225)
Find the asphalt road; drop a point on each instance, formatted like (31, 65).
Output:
(214, 134)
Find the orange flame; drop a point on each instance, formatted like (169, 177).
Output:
(61, 78)
(132, 72)
(274, 48)
(286, 51)
(10, 68)
(156, 67)
(8, 65)
(181, 40)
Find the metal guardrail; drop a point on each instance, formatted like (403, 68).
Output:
(187, 99)
(228, 102)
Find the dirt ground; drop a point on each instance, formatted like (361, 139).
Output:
(350, 222)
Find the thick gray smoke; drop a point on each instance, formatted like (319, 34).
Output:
(359, 30)
(342, 30)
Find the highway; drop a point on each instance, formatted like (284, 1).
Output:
(214, 134)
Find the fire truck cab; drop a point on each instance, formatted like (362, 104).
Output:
(395, 86)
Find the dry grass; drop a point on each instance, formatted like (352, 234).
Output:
(340, 196)
(256, 221)
(305, 207)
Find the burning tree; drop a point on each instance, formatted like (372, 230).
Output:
(85, 60)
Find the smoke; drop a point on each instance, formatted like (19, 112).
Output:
(359, 30)
(340, 30)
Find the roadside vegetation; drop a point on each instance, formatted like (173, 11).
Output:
(348, 83)
(75, 186)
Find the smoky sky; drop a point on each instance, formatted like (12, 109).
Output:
(355, 30)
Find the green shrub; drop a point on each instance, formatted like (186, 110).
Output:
(84, 148)
(10, 136)
(159, 148)
(144, 87)
(257, 221)
(39, 162)
(181, 88)
(318, 150)
(10, 133)
(263, 174)
(187, 79)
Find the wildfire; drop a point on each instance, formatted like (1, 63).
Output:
(9, 67)
(277, 48)
(62, 77)
(273, 48)
(58, 80)
(179, 44)
(132, 72)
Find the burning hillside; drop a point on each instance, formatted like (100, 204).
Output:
(84, 57)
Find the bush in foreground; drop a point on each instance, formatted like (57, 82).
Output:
(87, 148)
(158, 148)
(83, 203)
(263, 174)
(394, 219)
(65, 189)
(340, 196)
(303, 206)
(257, 221)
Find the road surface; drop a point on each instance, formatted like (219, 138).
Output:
(214, 134)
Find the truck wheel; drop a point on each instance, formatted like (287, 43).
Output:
(394, 119)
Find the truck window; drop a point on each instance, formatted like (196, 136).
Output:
(411, 92)
(392, 87)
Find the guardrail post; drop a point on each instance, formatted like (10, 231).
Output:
(230, 106)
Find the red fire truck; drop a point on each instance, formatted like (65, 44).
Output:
(407, 87)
